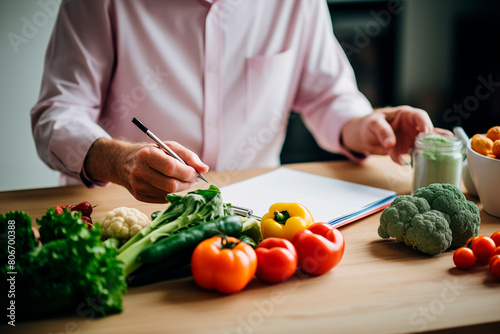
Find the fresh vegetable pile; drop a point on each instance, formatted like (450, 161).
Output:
(227, 264)
(166, 244)
(68, 265)
(71, 271)
(431, 220)
(200, 233)
(481, 250)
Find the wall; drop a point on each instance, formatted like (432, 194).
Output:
(20, 75)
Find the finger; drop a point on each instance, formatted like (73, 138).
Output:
(166, 165)
(383, 133)
(148, 184)
(397, 157)
(189, 157)
(144, 192)
(419, 118)
(422, 121)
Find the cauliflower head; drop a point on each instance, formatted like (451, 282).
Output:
(463, 214)
(123, 223)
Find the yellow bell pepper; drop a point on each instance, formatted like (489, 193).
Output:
(284, 220)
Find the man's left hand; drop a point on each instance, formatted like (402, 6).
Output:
(390, 130)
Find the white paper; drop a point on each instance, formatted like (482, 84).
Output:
(324, 197)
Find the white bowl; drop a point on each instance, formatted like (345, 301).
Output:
(485, 174)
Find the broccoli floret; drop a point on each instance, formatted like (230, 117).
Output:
(463, 214)
(433, 191)
(396, 218)
(429, 232)
(431, 220)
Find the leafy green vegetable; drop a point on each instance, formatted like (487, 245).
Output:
(184, 211)
(72, 270)
(434, 219)
(16, 225)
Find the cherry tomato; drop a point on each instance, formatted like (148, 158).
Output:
(492, 259)
(464, 258)
(276, 260)
(496, 238)
(483, 247)
(470, 241)
(496, 251)
(320, 248)
(495, 266)
(224, 264)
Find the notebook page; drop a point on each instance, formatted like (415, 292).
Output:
(326, 198)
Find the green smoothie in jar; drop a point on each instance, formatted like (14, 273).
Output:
(437, 158)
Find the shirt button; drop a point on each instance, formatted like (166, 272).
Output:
(212, 68)
(212, 122)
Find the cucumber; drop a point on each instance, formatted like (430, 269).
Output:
(184, 242)
(157, 272)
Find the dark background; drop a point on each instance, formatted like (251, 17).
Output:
(439, 55)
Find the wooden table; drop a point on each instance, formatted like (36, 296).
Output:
(380, 285)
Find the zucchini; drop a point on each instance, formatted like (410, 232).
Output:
(184, 242)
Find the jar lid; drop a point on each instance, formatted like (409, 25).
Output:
(438, 141)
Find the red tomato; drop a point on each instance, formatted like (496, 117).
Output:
(495, 266)
(496, 238)
(320, 248)
(483, 247)
(464, 258)
(276, 260)
(492, 259)
(224, 264)
(496, 251)
(470, 241)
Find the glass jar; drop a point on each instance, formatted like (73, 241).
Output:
(437, 159)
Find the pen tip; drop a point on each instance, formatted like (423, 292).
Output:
(202, 177)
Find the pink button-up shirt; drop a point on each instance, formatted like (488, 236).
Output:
(220, 78)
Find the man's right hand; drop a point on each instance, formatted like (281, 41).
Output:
(144, 169)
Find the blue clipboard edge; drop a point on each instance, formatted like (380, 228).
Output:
(365, 211)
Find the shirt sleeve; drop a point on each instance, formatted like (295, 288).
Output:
(328, 95)
(78, 67)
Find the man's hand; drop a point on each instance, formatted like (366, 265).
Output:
(390, 130)
(144, 169)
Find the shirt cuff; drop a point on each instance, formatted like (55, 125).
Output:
(352, 155)
(68, 149)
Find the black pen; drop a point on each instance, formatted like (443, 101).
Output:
(162, 144)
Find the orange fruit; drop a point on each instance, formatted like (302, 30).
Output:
(496, 148)
(494, 133)
(481, 144)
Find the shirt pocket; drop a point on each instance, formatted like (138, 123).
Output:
(268, 86)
